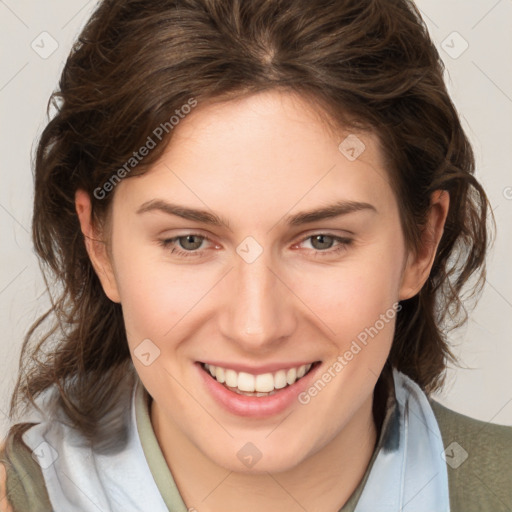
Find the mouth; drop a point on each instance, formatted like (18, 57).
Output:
(258, 385)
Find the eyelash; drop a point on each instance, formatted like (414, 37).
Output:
(344, 243)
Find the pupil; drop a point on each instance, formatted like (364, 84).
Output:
(189, 239)
(323, 239)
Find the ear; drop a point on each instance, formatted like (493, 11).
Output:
(419, 263)
(96, 248)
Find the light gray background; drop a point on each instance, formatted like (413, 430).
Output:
(479, 79)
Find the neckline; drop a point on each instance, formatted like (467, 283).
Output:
(164, 480)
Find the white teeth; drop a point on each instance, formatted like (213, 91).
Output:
(231, 378)
(246, 382)
(280, 379)
(257, 385)
(291, 376)
(220, 374)
(264, 383)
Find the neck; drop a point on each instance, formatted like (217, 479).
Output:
(323, 481)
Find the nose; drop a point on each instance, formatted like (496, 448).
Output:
(257, 310)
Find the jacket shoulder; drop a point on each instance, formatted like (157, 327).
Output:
(478, 455)
(22, 487)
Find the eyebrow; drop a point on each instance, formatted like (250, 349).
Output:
(327, 212)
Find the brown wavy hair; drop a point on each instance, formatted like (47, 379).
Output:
(366, 64)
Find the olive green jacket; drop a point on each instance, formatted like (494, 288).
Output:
(478, 456)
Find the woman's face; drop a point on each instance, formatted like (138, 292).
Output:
(219, 258)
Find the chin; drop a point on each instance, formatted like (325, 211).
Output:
(255, 457)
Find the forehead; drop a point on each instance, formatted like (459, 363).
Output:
(259, 152)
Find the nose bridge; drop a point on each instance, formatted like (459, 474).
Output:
(257, 312)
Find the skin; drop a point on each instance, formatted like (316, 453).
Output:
(254, 161)
(4, 503)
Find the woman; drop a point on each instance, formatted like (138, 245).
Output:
(261, 216)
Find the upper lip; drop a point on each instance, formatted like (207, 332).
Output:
(260, 369)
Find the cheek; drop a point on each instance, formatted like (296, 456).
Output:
(161, 300)
(357, 301)
(353, 294)
(152, 296)
(345, 297)
(153, 303)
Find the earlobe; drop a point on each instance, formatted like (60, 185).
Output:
(419, 263)
(96, 248)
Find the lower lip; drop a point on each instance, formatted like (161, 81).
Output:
(253, 406)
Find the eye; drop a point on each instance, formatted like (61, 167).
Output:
(187, 246)
(323, 243)
(191, 244)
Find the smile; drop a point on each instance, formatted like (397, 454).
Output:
(265, 384)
